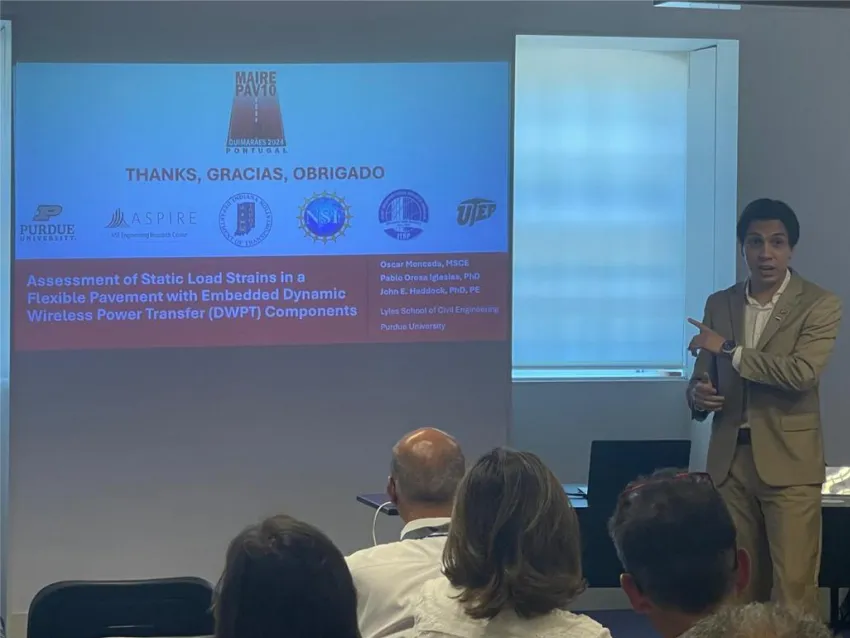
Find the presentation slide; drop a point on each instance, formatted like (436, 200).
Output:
(172, 205)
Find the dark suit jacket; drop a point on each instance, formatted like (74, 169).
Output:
(776, 389)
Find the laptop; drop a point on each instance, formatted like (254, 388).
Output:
(615, 464)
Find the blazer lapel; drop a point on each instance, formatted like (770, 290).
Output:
(783, 308)
(737, 302)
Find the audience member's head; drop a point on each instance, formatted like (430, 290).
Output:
(514, 541)
(426, 468)
(759, 620)
(284, 577)
(677, 543)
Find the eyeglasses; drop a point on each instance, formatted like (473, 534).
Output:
(694, 477)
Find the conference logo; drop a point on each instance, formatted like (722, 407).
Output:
(245, 220)
(46, 227)
(151, 225)
(403, 214)
(471, 211)
(256, 123)
(324, 217)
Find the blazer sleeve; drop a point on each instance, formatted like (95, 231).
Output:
(800, 370)
(705, 364)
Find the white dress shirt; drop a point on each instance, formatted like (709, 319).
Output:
(756, 318)
(388, 578)
(439, 614)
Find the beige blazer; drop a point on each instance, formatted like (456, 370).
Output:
(776, 390)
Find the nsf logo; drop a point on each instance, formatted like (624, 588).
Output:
(245, 220)
(324, 217)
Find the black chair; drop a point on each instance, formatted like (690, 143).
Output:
(139, 609)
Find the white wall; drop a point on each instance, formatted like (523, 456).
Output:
(794, 144)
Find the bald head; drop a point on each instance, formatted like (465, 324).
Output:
(427, 467)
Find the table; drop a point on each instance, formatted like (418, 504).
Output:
(602, 567)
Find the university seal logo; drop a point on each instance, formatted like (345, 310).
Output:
(403, 214)
(245, 220)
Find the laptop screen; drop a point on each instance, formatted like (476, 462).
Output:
(837, 481)
(614, 464)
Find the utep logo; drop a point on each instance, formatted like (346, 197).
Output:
(45, 229)
(118, 220)
(256, 125)
(404, 214)
(474, 210)
(324, 217)
(245, 220)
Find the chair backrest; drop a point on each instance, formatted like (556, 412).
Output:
(147, 608)
(615, 464)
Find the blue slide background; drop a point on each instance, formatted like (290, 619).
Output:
(440, 129)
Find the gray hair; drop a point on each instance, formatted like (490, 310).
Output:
(759, 620)
(431, 480)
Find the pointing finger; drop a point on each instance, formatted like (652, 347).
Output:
(698, 324)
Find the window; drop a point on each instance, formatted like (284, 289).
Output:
(612, 250)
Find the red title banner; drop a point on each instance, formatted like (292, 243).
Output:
(204, 302)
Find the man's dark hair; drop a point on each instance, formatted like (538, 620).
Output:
(429, 479)
(284, 577)
(769, 210)
(676, 538)
(514, 541)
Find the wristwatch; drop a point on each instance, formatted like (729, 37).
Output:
(728, 348)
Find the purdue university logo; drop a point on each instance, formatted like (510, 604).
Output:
(256, 125)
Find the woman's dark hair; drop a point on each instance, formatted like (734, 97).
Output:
(284, 577)
(514, 540)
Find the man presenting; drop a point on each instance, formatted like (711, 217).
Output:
(761, 348)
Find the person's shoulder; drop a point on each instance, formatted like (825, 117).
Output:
(438, 609)
(361, 556)
(590, 628)
(438, 599)
(719, 298)
(377, 555)
(725, 293)
(574, 625)
(816, 294)
(371, 557)
(423, 551)
(438, 590)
